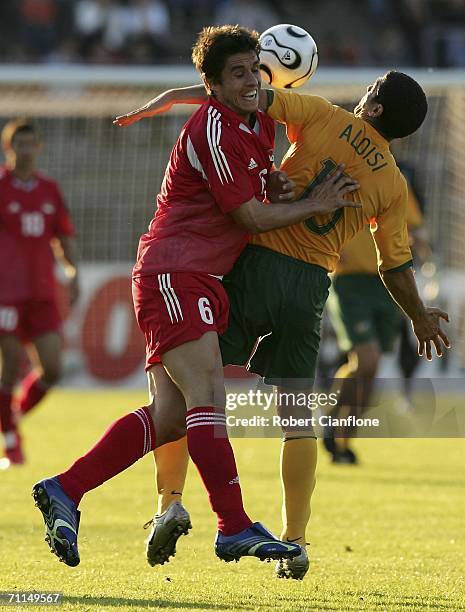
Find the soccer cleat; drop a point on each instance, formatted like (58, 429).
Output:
(295, 568)
(346, 456)
(167, 528)
(255, 541)
(61, 519)
(13, 449)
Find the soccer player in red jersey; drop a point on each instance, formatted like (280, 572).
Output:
(34, 226)
(210, 200)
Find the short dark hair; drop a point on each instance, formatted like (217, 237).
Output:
(404, 103)
(17, 126)
(215, 44)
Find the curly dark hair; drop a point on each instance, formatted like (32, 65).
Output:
(404, 103)
(215, 44)
(17, 126)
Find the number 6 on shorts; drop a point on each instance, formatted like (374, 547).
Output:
(205, 310)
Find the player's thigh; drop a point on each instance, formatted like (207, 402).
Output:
(177, 309)
(168, 408)
(11, 351)
(288, 355)
(253, 295)
(45, 352)
(287, 358)
(368, 355)
(388, 321)
(196, 368)
(353, 315)
(11, 316)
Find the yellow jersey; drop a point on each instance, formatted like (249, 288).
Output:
(321, 136)
(359, 254)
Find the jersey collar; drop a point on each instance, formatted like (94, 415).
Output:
(375, 135)
(231, 117)
(27, 186)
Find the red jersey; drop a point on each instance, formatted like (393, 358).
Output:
(31, 214)
(217, 164)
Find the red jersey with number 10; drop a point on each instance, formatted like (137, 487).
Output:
(217, 164)
(31, 214)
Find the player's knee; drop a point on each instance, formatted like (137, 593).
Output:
(368, 358)
(366, 371)
(176, 432)
(9, 373)
(51, 375)
(207, 389)
(168, 432)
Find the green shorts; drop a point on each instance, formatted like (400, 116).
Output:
(279, 301)
(363, 311)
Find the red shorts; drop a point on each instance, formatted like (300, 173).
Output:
(30, 319)
(177, 307)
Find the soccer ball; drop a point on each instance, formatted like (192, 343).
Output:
(288, 56)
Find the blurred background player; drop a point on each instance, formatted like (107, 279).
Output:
(35, 229)
(285, 270)
(368, 323)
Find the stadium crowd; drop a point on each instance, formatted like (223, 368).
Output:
(351, 33)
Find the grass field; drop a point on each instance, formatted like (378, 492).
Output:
(387, 535)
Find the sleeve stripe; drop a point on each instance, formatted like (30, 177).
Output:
(401, 268)
(194, 158)
(213, 138)
(211, 147)
(220, 150)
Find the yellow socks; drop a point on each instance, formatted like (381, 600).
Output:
(298, 465)
(171, 461)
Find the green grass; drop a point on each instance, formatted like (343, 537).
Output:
(387, 535)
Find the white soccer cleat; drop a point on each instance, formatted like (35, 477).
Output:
(167, 528)
(295, 568)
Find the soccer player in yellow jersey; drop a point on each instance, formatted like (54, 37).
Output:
(367, 322)
(279, 285)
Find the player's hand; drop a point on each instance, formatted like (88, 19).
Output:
(428, 331)
(125, 120)
(130, 118)
(328, 195)
(279, 187)
(158, 105)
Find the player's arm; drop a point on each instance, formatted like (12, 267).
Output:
(395, 262)
(64, 249)
(425, 321)
(256, 217)
(194, 94)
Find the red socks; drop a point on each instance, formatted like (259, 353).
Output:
(211, 451)
(6, 414)
(125, 441)
(133, 436)
(32, 391)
